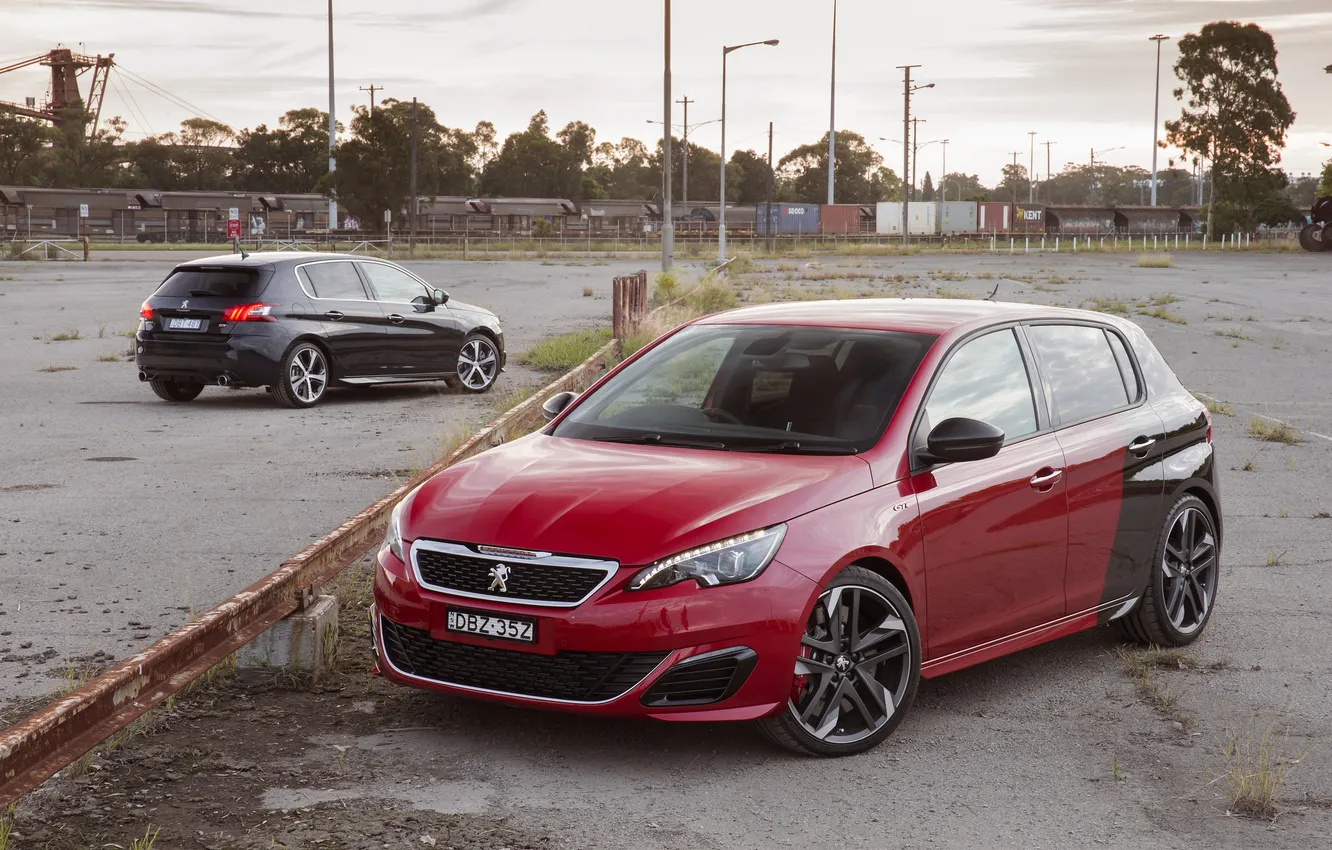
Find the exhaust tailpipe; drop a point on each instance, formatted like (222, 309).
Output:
(143, 376)
(223, 380)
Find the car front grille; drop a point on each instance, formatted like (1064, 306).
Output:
(548, 580)
(702, 681)
(569, 676)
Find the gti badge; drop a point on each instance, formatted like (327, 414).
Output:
(499, 576)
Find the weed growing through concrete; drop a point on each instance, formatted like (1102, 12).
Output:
(1230, 333)
(1138, 663)
(108, 357)
(1154, 261)
(1164, 315)
(1272, 432)
(1249, 465)
(1117, 306)
(1276, 559)
(587, 292)
(1160, 300)
(1322, 515)
(1219, 408)
(66, 336)
(1256, 772)
(562, 353)
(57, 369)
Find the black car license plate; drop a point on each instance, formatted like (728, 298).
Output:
(465, 622)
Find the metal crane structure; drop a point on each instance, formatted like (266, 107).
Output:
(66, 68)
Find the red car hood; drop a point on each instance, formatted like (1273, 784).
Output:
(633, 504)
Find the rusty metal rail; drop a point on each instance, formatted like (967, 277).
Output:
(34, 749)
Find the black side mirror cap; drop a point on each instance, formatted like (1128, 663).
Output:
(556, 404)
(960, 440)
(441, 297)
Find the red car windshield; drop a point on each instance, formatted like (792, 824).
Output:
(788, 389)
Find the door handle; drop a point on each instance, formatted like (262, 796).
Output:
(1046, 479)
(396, 319)
(334, 315)
(1141, 445)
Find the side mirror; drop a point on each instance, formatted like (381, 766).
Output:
(441, 297)
(556, 404)
(961, 440)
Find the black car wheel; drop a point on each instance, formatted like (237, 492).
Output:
(1311, 238)
(304, 377)
(1177, 604)
(857, 670)
(478, 363)
(169, 390)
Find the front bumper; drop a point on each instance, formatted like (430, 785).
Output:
(646, 643)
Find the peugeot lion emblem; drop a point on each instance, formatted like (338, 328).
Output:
(499, 576)
(185, 305)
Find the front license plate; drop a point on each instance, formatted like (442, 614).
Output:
(184, 324)
(467, 622)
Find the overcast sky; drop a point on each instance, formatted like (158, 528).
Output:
(1079, 72)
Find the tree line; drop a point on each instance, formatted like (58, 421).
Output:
(1232, 128)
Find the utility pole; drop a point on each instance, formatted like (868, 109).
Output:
(411, 232)
(772, 179)
(332, 129)
(832, 111)
(906, 144)
(1013, 177)
(1048, 172)
(943, 181)
(372, 88)
(915, 151)
(667, 214)
(1031, 166)
(684, 193)
(1156, 116)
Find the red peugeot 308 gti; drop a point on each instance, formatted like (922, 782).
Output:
(790, 513)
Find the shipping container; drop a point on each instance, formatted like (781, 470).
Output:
(1141, 219)
(839, 219)
(994, 216)
(957, 217)
(921, 218)
(786, 219)
(1029, 218)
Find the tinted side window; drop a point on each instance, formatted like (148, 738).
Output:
(1081, 369)
(1125, 365)
(337, 280)
(986, 379)
(395, 285)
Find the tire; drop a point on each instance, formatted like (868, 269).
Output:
(1177, 603)
(829, 665)
(1311, 237)
(478, 363)
(176, 391)
(305, 377)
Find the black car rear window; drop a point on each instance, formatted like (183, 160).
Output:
(212, 283)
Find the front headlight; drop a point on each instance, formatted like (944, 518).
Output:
(393, 536)
(724, 562)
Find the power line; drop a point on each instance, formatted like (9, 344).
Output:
(164, 93)
(133, 105)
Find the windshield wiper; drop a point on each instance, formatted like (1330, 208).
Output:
(797, 448)
(659, 440)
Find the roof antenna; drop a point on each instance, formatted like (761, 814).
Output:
(245, 256)
(990, 297)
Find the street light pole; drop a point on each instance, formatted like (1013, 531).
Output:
(332, 129)
(943, 181)
(1156, 116)
(1031, 166)
(721, 212)
(667, 214)
(915, 151)
(1048, 145)
(906, 144)
(684, 188)
(832, 111)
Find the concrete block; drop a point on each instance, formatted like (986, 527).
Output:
(302, 642)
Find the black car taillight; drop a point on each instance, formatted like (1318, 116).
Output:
(250, 313)
(145, 312)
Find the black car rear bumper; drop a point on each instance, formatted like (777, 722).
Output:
(243, 361)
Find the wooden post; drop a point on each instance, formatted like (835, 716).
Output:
(617, 308)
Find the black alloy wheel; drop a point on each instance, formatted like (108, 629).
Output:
(1178, 602)
(304, 378)
(169, 390)
(478, 363)
(857, 670)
